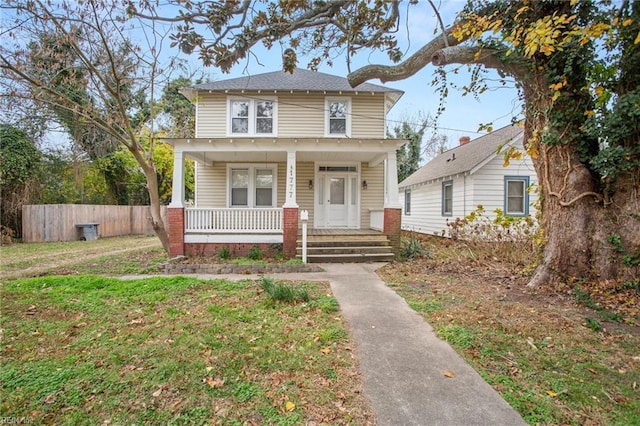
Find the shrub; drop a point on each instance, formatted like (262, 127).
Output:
(6, 235)
(412, 248)
(255, 253)
(279, 292)
(514, 239)
(224, 253)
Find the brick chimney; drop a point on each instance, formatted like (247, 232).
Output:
(464, 140)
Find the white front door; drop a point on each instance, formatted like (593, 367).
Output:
(336, 197)
(337, 206)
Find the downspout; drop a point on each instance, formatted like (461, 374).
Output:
(464, 195)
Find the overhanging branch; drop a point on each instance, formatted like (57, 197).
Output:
(407, 68)
(490, 58)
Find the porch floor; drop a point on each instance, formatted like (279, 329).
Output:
(340, 231)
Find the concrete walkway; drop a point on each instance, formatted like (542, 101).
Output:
(402, 361)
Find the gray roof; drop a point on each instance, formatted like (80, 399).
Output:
(301, 79)
(464, 158)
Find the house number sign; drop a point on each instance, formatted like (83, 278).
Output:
(290, 181)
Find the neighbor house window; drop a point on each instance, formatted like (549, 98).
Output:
(252, 185)
(516, 196)
(407, 202)
(338, 117)
(252, 117)
(447, 198)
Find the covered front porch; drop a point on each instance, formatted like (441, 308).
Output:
(343, 184)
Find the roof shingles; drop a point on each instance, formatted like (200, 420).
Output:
(301, 79)
(463, 158)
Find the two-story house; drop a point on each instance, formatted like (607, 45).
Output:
(270, 146)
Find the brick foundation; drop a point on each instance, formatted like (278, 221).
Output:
(289, 231)
(235, 249)
(392, 227)
(175, 221)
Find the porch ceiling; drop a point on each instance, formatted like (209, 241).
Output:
(210, 150)
(210, 157)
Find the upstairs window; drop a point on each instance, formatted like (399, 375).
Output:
(239, 116)
(252, 117)
(516, 196)
(338, 117)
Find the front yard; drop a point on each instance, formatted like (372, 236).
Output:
(80, 349)
(173, 350)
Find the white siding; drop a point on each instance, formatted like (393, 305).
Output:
(426, 207)
(373, 196)
(485, 187)
(211, 120)
(304, 195)
(211, 185)
(367, 119)
(488, 184)
(299, 114)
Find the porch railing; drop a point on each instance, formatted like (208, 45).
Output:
(233, 220)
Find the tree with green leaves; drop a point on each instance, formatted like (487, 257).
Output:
(20, 172)
(417, 150)
(577, 64)
(97, 68)
(178, 111)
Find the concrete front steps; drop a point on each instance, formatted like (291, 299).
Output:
(346, 247)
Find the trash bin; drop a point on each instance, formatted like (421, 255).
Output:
(87, 231)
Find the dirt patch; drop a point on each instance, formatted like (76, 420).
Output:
(559, 355)
(32, 260)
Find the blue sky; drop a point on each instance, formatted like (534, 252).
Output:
(463, 114)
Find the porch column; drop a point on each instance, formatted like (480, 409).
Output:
(175, 210)
(177, 190)
(290, 196)
(290, 209)
(392, 206)
(392, 197)
(175, 219)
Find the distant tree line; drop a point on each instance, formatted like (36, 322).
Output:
(33, 173)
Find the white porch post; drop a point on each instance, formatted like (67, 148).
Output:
(290, 209)
(177, 192)
(392, 197)
(290, 195)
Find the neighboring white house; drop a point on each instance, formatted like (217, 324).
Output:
(270, 146)
(455, 182)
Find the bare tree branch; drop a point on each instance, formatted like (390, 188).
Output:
(490, 58)
(408, 67)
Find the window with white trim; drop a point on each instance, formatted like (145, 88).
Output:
(252, 185)
(338, 117)
(407, 202)
(516, 195)
(252, 117)
(447, 198)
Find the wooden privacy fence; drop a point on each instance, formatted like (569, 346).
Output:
(57, 222)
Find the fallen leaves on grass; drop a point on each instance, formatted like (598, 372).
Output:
(214, 382)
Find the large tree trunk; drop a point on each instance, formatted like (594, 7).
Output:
(579, 221)
(154, 206)
(151, 176)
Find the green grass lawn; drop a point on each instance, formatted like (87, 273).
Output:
(174, 350)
